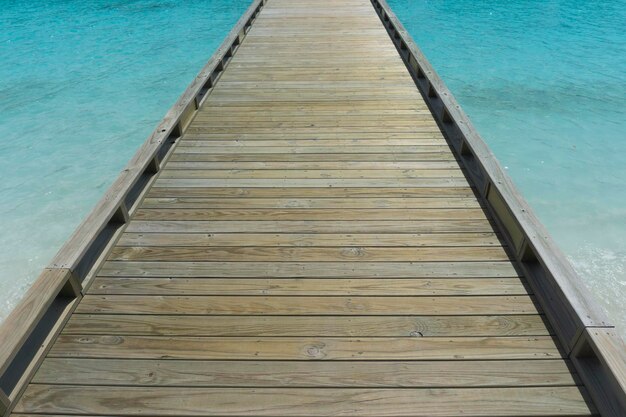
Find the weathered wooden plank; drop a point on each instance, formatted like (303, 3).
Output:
(320, 138)
(305, 348)
(420, 374)
(311, 192)
(310, 226)
(307, 240)
(292, 326)
(317, 203)
(319, 149)
(310, 254)
(280, 114)
(337, 124)
(260, 165)
(310, 174)
(311, 286)
(310, 269)
(150, 401)
(217, 142)
(330, 182)
(381, 156)
(311, 305)
(309, 157)
(305, 214)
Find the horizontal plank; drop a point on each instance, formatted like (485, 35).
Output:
(304, 348)
(311, 203)
(409, 124)
(319, 149)
(307, 240)
(327, 326)
(311, 192)
(347, 166)
(425, 374)
(306, 254)
(305, 214)
(306, 305)
(306, 113)
(322, 137)
(165, 401)
(215, 141)
(391, 83)
(381, 156)
(328, 182)
(322, 108)
(310, 286)
(310, 226)
(311, 174)
(310, 269)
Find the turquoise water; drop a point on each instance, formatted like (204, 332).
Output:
(82, 83)
(544, 81)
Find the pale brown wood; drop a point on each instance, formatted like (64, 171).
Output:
(309, 240)
(305, 348)
(312, 305)
(314, 254)
(318, 192)
(311, 226)
(278, 174)
(310, 269)
(311, 286)
(335, 374)
(554, 401)
(329, 326)
(304, 214)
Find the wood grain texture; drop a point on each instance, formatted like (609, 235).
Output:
(309, 192)
(304, 214)
(305, 348)
(336, 374)
(329, 326)
(311, 226)
(308, 287)
(310, 269)
(310, 305)
(309, 239)
(150, 401)
(311, 254)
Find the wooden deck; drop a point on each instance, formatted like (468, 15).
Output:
(311, 247)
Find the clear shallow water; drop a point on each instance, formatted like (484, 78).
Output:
(82, 84)
(544, 81)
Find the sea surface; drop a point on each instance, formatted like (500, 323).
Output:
(83, 83)
(544, 82)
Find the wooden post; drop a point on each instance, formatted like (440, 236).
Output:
(600, 358)
(4, 402)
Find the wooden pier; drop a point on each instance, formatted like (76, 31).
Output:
(315, 229)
